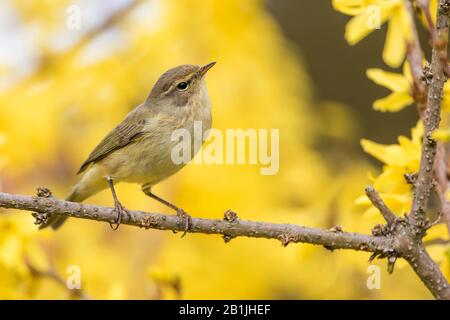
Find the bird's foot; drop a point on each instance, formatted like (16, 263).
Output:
(184, 219)
(120, 209)
(181, 214)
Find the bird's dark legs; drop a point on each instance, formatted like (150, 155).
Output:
(180, 212)
(117, 205)
(164, 202)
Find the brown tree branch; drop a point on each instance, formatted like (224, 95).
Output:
(428, 271)
(52, 274)
(376, 200)
(414, 56)
(411, 231)
(440, 44)
(397, 243)
(424, 6)
(440, 167)
(419, 92)
(425, 178)
(230, 227)
(50, 59)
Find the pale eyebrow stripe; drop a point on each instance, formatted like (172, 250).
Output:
(172, 87)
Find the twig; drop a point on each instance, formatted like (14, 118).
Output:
(51, 59)
(286, 233)
(440, 167)
(424, 5)
(376, 200)
(414, 56)
(52, 274)
(438, 241)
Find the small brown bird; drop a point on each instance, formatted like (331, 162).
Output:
(139, 149)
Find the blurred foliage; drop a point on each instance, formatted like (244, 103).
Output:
(55, 112)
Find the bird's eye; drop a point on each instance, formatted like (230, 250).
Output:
(182, 86)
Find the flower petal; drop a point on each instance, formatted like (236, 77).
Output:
(394, 102)
(392, 180)
(367, 21)
(393, 81)
(442, 135)
(446, 98)
(407, 72)
(438, 231)
(395, 44)
(417, 133)
(349, 7)
(389, 154)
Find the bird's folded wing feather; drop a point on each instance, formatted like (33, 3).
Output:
(125, 133)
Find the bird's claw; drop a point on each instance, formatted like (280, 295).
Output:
(120, 209)
(186, 219)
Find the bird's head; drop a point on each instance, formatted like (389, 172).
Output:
(179, 85)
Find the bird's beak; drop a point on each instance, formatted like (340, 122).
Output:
(205, 69)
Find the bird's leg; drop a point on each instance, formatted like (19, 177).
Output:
(117, 205)
(180, 212)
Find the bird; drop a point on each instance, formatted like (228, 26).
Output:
(139, 149)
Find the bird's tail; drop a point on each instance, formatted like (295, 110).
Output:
(92, 182)
(56, 221)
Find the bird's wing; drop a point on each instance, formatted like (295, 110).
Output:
(125, 133)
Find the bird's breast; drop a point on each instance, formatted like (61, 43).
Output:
(150, 159)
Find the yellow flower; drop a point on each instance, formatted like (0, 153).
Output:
(399, 159)
(439, 251)
(446, 98)
(369, 15)
(406, 154)
(400, 85)
(442, 135)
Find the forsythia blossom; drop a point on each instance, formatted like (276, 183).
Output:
(369, 15)
(400, 85)
(399, 159)
(442, 135)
